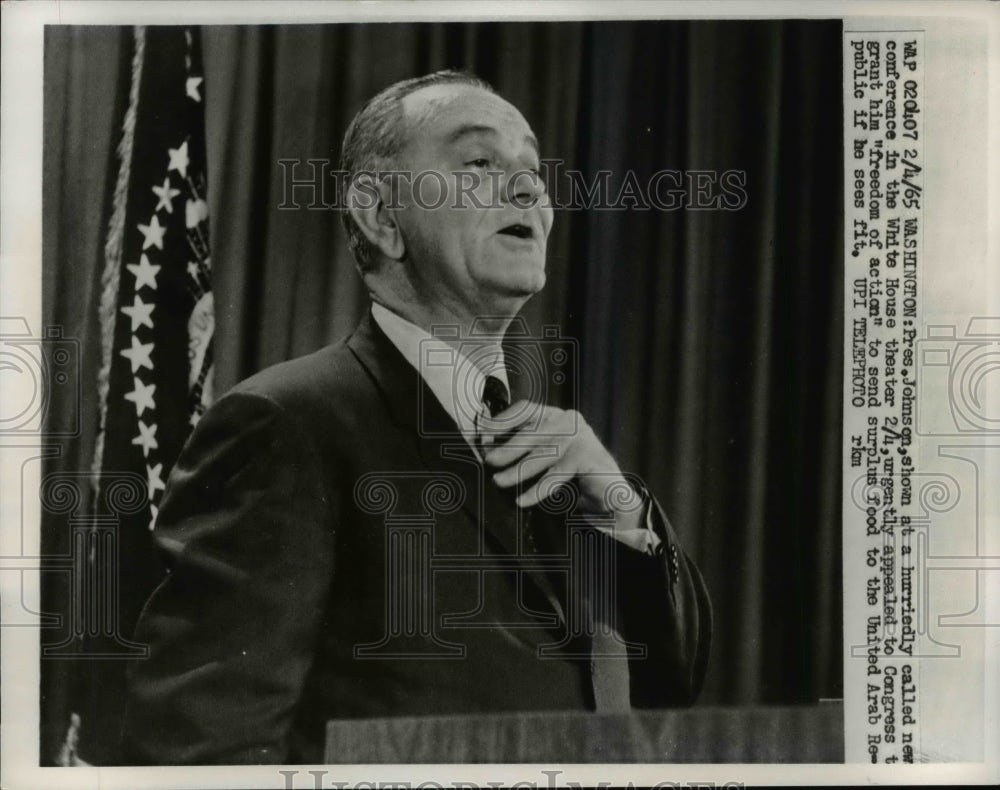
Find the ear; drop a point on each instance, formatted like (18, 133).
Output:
(368, 203)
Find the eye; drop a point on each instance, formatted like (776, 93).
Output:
(480, 162)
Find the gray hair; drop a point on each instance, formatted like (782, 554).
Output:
(375, 138)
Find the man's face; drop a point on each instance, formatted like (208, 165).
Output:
(479, 247)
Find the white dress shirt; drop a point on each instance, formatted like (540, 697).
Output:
(454, 379)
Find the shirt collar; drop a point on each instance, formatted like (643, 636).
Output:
(455, 380)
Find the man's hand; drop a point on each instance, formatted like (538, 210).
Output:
(559, 448)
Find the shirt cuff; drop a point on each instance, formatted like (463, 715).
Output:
(634, 528)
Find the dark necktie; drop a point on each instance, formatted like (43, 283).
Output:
(609, 665)
(495, 399)
(495, 395)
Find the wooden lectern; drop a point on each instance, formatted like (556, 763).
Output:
(806, 734)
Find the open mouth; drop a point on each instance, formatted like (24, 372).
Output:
(518, 231)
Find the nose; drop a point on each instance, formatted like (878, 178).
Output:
(523, 188)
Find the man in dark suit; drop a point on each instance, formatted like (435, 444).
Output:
(380, 528)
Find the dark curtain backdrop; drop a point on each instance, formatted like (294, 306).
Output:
(710, 340)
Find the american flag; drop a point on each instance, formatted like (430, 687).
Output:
(155, 381)
(157, 314)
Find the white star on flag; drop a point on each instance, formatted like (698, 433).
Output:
(146, 438)
(166, 196)
(192, 268)
(138, 355)
(144, 272)
(155, 481)
(142, 396)
(179, 159)
(140, 313)
(152, 233)
(194, 419)
(191, 87)
(153, 511)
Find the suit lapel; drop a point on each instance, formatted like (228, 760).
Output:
(442, 447)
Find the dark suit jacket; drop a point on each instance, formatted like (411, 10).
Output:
(336, 551)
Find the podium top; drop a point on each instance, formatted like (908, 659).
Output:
(803, 734)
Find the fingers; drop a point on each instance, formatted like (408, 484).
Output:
(556, 449)
(514, 417)
(518, 445)
(527, 466)
(545, 486)
(548, 427)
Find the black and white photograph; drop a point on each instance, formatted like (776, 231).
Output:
(633, 205)
(477, 389)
